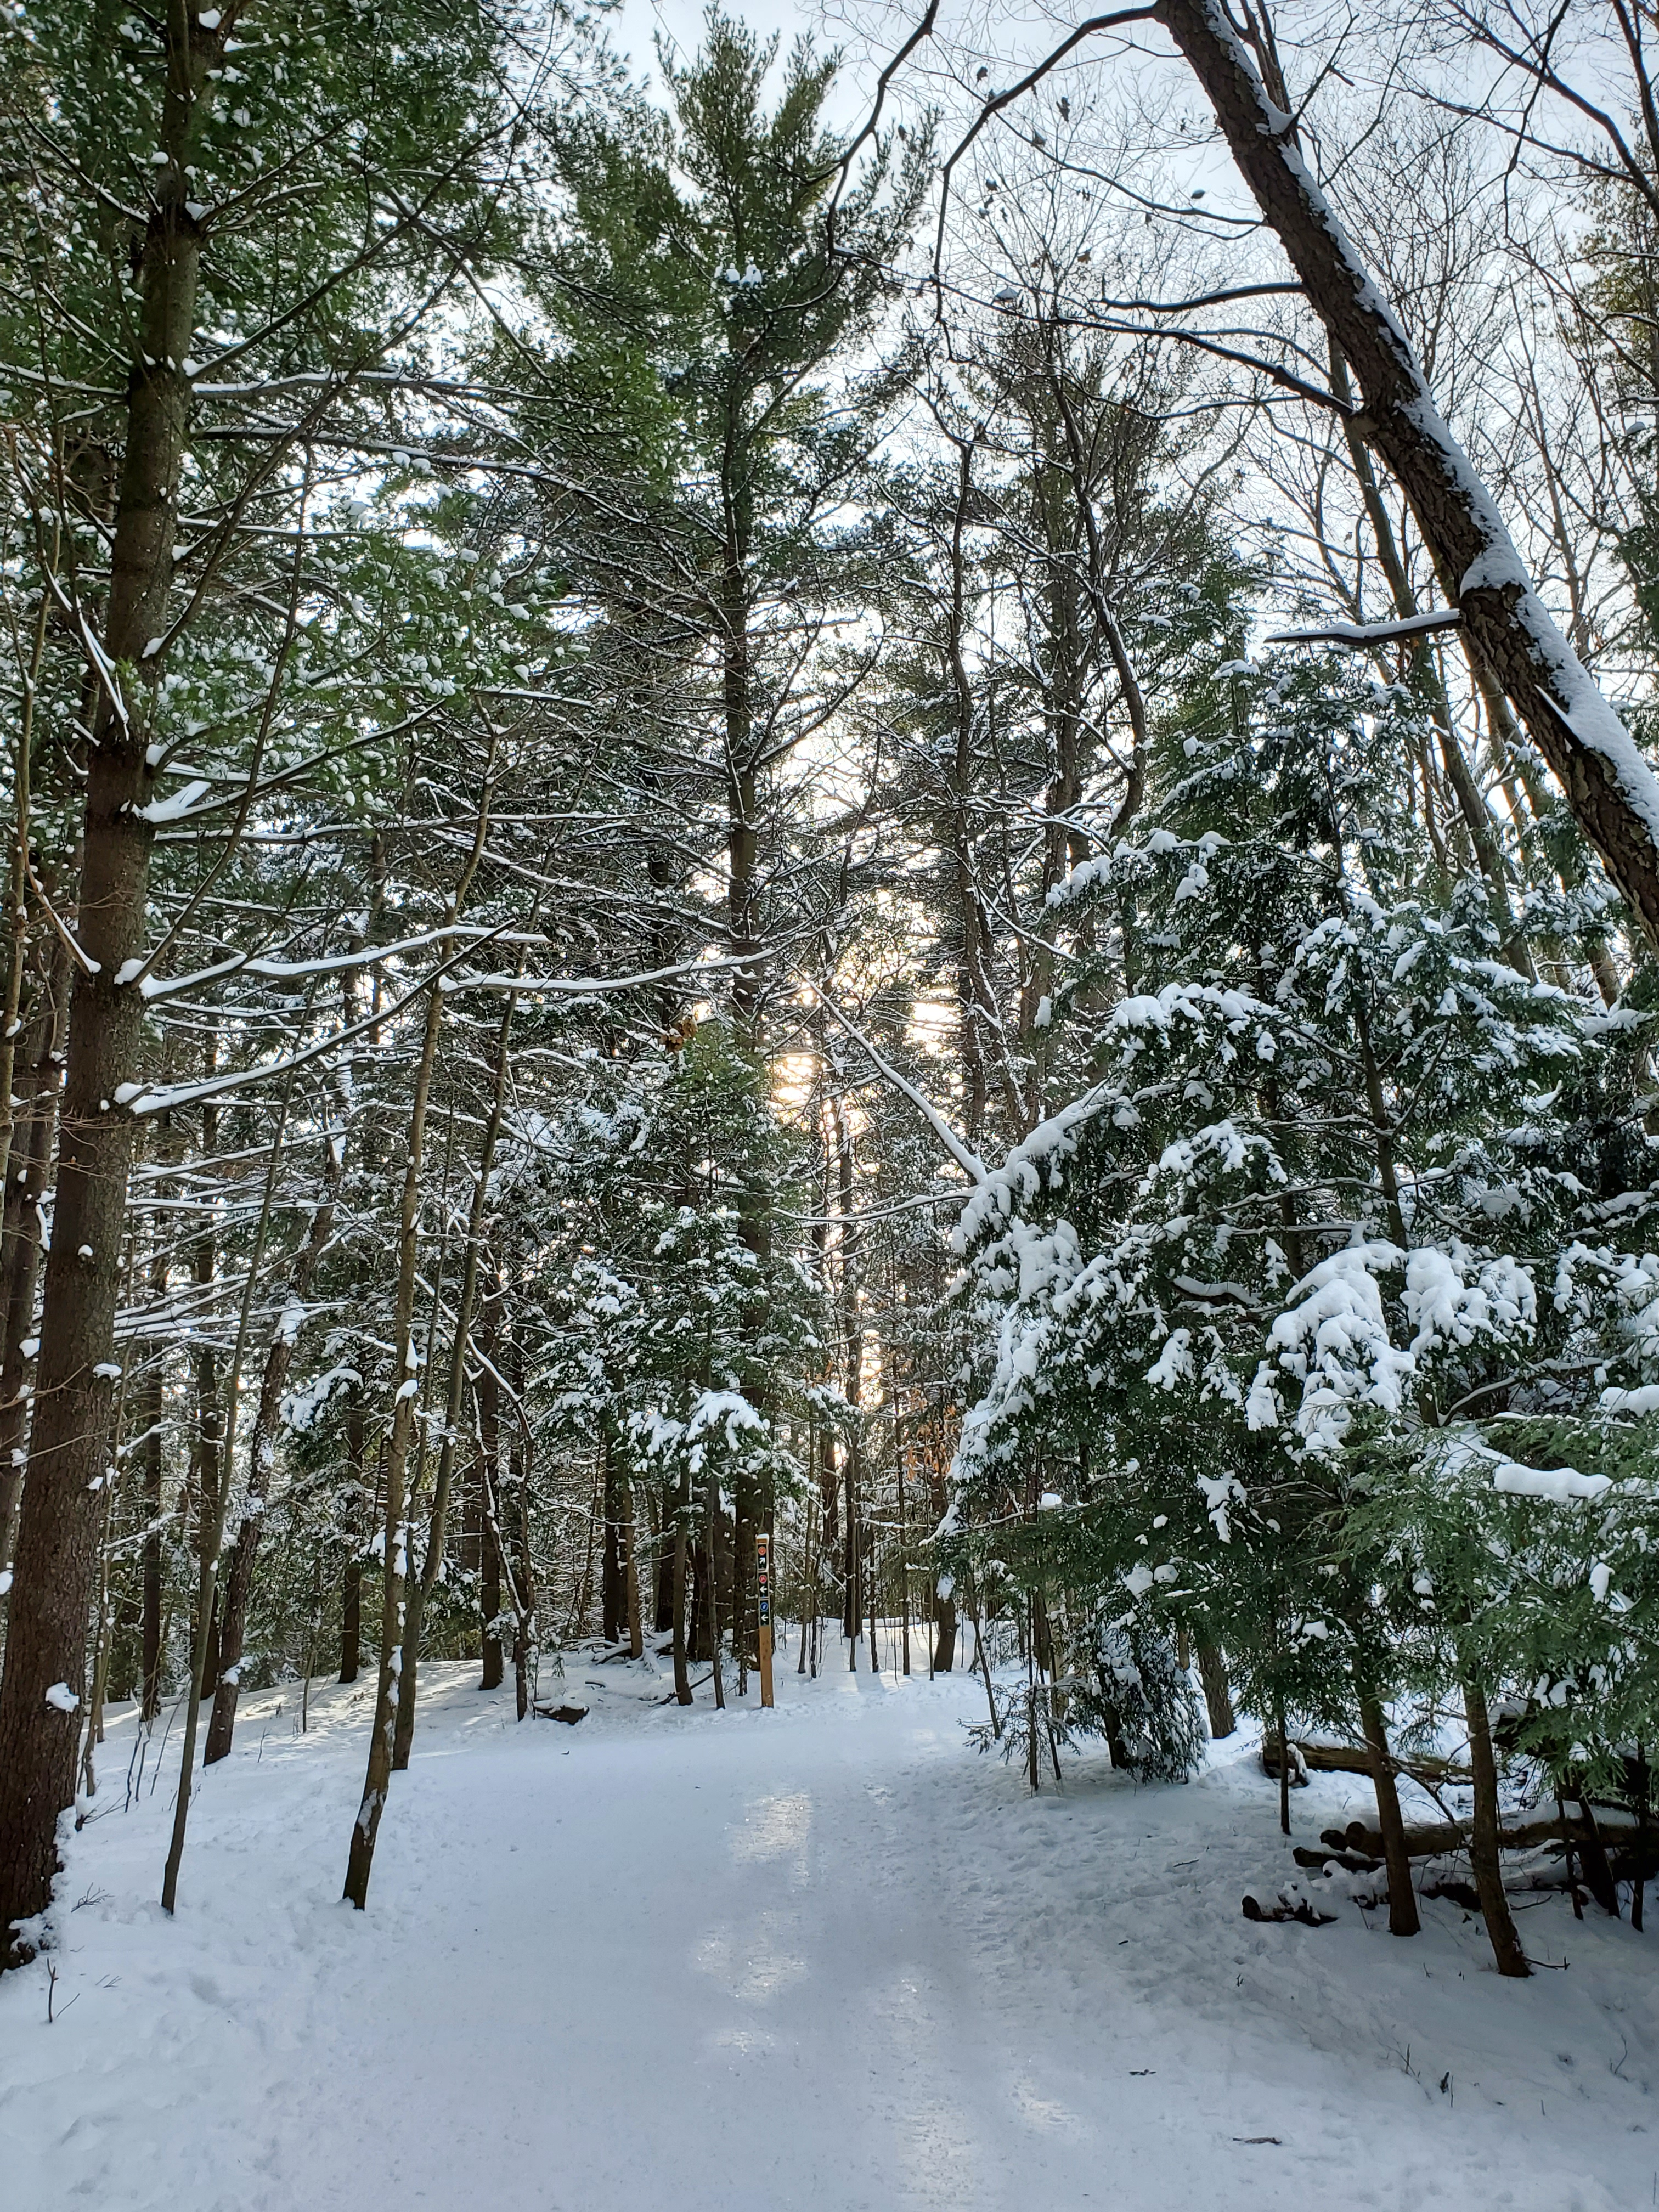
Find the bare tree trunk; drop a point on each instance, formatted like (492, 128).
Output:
(524, 1580)
(1217, 1695)
(1484, 1842)
(20, 1250)
(489, 1455)
(610, 1578)
(150, 1416)
(631, 1569)
(351, 1582)
(57, 1533)
(1402, 1898)
(432, 1563)
(377, 1779)
(714, 1590)
(682, 1513)
(279, 1357)
(360, 1859)
(218, 1424)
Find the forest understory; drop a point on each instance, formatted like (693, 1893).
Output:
(821, 1954)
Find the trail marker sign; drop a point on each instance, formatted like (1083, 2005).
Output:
(763, 1604)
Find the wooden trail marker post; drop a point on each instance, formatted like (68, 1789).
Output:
(763, 1602)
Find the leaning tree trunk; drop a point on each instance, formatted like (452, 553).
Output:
(58, 1533)
(218, 1426)
(1484, 1842)
(1402, 1898)
(238, 1577)
(360, 1858)
(1613, 793)
(262, 1445)
(364, 1829)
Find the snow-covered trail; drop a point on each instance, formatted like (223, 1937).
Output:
(818, 1957)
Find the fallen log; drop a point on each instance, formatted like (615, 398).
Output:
(1429, 1843)
(1353, 1862)
(568, 1714)
(1323, 1757)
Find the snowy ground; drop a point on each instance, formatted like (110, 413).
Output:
(823, 1956)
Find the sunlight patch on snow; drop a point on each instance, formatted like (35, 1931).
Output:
(1045, 2112)
(775, 1828)
(756, 1969)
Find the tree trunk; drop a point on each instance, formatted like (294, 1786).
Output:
(714, 1578)
(239, 1579)
(20, 1250)
(1484, 1842)
(665, 1577)
(218, 1422)
(1593, 1855)
(523, 1582)
(612, 1601)
(150, 1416)
(631, 1568)
(351, 1582)
(490, 1461)
(1613, 793)
(58, 1533)
(701, 1637)
(1402, 1898)
(406, 1382)
(432, 1561)
(682, 1513)
(1218, 1693)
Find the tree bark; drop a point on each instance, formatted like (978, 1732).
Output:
(377, 1779)
(433, 1560)
(610, 1584)
(279, 1357)
(1483, 1843)
(524, 1578)
(489, 1460)
(351, 1582)
(631, 1570)
(1613, 795)
(1402, 1898)
(31, 1165)
(360, 1858)
(150, 1416)
(1217, 1694)
(57, 1532)
(682, 1513)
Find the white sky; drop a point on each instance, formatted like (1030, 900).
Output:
(634, 25)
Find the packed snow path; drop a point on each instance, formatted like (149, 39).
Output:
(820, 1957)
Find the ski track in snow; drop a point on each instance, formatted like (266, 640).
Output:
(823, 1957)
